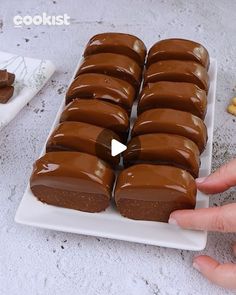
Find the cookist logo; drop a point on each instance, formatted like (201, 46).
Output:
(44, 19)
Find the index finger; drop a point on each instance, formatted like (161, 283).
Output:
(222, 219)
(219, 181)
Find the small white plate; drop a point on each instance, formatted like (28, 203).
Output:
(110, 224)
(31, 75)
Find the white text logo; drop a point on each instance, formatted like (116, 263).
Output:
(44, 19)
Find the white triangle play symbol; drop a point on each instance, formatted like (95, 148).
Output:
(117, 147)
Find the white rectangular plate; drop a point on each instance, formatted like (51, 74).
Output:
(110, 224)
(31, 75)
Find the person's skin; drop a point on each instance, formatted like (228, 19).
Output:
(222, 219)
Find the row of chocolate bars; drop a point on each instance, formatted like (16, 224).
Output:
(162, 157)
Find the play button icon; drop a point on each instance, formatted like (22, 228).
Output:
(117, 147)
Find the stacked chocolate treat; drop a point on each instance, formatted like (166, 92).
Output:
(77, 170)
(168, 135)
(6, 88)
(162, 158)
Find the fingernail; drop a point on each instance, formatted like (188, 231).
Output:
(172, 221)
(200, 179)
(196, 266)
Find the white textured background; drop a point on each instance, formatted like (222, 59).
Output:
(35, 261)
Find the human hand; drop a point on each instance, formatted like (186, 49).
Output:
(222, 219)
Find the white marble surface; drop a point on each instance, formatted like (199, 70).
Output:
(35, 261)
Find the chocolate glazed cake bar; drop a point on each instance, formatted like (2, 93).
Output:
(119, 43)
(6, 88)
(168, 135)
(97, 112)
(179, 49)
(84, 137)
(150, 192)
(73, 180)
(178, 71)
(173, 122)
(77, 170)
(114, 65)
(102, 87)
(180, 96)
(163, 148)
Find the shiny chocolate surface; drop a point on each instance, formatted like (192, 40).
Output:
(119, 43)
(152, 192)
(173, 122)
(98, 113)
(84, 137)
(73, 180)
(111, 64)
(181, 96)
(102, 87)
(180, 49)
(162, 148)
(177, 71)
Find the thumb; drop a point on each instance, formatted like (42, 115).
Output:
(223, 275)
(219, 181)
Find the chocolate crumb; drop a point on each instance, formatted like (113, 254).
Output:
(36, 111)
(60, 90)
(1, 25)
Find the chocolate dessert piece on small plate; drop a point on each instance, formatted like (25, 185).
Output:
(20, 80)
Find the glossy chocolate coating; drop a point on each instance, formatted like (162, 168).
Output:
(98, 113)
(104, 87)
(178, 71)
(178, 49)
(173, 122)
(152, 192)
(6, 78)
(119, 43)
(72, 180)
(181, 96)
(6, 93)
(85, 138)
(115, 65)
(162, 148)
